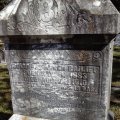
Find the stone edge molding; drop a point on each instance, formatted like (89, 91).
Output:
(21, 117)
(29, 17)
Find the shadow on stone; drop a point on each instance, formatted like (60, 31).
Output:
(110, 115)
(116, 3)
(4, 116)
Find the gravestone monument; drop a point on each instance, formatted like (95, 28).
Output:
(59, 56)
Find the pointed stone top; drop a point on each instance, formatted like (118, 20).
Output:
(57, 17)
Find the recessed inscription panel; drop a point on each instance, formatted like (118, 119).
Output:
(57, 84)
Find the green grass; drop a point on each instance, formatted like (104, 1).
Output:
(116, 109)
(1, 44)
(117, 52)
(5, 94)
(115, 95)
(116, 84)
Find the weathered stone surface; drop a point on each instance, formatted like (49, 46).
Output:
(41, 17)
(21, 117)
(56, 72)
(60, 78)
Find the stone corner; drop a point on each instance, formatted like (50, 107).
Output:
(21, 117)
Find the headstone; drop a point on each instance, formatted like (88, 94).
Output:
(59, 56)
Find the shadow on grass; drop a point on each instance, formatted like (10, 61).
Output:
(115, 104)
(116, 109)
(3, 69)
(116, 69)
(115, 97)
(5, 116)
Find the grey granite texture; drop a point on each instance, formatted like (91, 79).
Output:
(60, 78)
(57, 70)
(21, 117)
(41, 17)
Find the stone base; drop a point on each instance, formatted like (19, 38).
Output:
(21, 117)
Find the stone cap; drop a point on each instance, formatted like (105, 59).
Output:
(59, 17)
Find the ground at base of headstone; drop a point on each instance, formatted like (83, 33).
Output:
(111, 115)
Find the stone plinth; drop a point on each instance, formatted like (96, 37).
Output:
(60, 77)
(21, 117)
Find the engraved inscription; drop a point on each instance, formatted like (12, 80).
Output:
(56, 82)
(65, 76)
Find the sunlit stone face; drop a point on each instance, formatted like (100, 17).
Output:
(44, 10)
(97, 3)
(48, 16)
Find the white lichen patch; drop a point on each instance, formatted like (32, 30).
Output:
(97, 3)
(21, 117)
